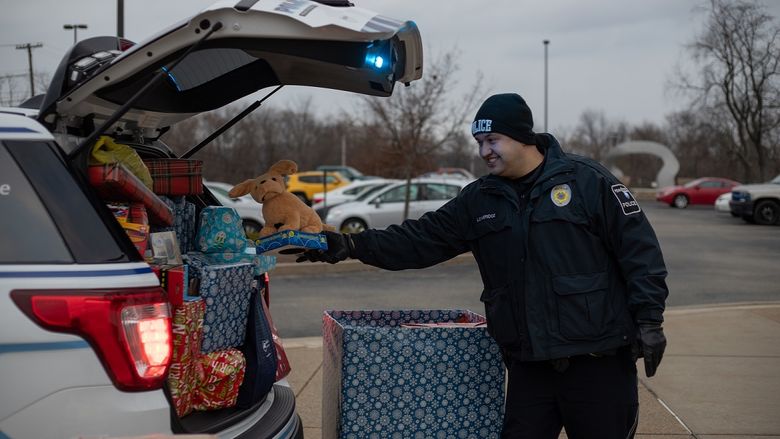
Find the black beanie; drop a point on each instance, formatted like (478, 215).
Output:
(507, 114)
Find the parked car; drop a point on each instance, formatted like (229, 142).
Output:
(757, 203)
(700, 191)
(384, 207)
(250, 211)
(722, 204)
(85, 328)
(324, 201)
(445, 173)
(348, 172)
(305, 184)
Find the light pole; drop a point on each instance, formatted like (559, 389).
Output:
(75, 28)
(546, 43)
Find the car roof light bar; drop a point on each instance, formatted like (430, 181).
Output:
(163, 72)
(228, 124)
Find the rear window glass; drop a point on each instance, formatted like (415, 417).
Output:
(29, 233)
(73, 214)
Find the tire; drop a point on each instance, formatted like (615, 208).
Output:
(353, 225)
(735, 215)
(766, 212)
(680, 201)
(301, 196)
(251, 228)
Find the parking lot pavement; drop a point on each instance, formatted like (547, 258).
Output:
(720, 377)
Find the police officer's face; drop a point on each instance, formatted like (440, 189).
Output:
(502, 155)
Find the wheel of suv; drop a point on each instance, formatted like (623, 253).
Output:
(680, 201)
(301, 196)
(353, 225)
(252, 228)
(766, 212)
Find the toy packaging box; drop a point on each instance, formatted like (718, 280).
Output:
(290, 242)
(383, 378)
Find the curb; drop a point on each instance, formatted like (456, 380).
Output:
(315, 268)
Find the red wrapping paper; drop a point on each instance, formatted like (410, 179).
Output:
(183, 374)
(220, 374)
(115, 183)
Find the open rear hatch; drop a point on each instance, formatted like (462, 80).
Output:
(259, 44)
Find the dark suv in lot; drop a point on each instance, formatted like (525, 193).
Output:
(74, 292)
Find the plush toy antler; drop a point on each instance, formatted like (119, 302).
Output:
(280, 208)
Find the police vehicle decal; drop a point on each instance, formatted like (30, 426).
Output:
(626, 199)
(561, 195)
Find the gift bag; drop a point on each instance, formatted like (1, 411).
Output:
(381, 379)
(283, 365)
(185, 222)
(260, 355)
(220, 231)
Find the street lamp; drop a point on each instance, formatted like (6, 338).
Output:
(75, 28)
(546, 43)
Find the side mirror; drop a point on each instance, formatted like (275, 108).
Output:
(377, 202)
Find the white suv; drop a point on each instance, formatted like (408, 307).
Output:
(84, 324)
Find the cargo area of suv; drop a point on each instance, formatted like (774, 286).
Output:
(91, 325)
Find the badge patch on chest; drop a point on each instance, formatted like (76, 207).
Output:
(561, 195)
(626, 199)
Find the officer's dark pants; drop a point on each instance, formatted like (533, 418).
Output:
(594, 398)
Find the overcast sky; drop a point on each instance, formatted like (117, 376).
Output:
(610, 55)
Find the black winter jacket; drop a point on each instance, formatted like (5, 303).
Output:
(569, 275)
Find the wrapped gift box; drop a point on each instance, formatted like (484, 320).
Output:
(380, 378)
(220, 231)
(182, 375)
(185, 222)
(291, 241)
(176, 176)
(220, 374)
(114, 183)
(225, 288)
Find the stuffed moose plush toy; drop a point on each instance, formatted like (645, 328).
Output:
(281, 209)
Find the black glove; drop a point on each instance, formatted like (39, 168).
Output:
(651, 344)
(340, 247)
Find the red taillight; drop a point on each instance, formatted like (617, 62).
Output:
(316, 200)
(129, 328)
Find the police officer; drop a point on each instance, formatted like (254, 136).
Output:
(574, 278)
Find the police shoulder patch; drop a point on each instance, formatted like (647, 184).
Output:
(626, 200)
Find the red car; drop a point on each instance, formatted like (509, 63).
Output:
(700, 191)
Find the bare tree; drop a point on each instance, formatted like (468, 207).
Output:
(418, 120)
(737, 83)
(595, 135)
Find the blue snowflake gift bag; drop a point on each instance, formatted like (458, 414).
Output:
(409, 374)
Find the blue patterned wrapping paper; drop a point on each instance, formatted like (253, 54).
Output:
(185, 222)
(226, 289)
(382, 380)
(220, 231)
(289, 239)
